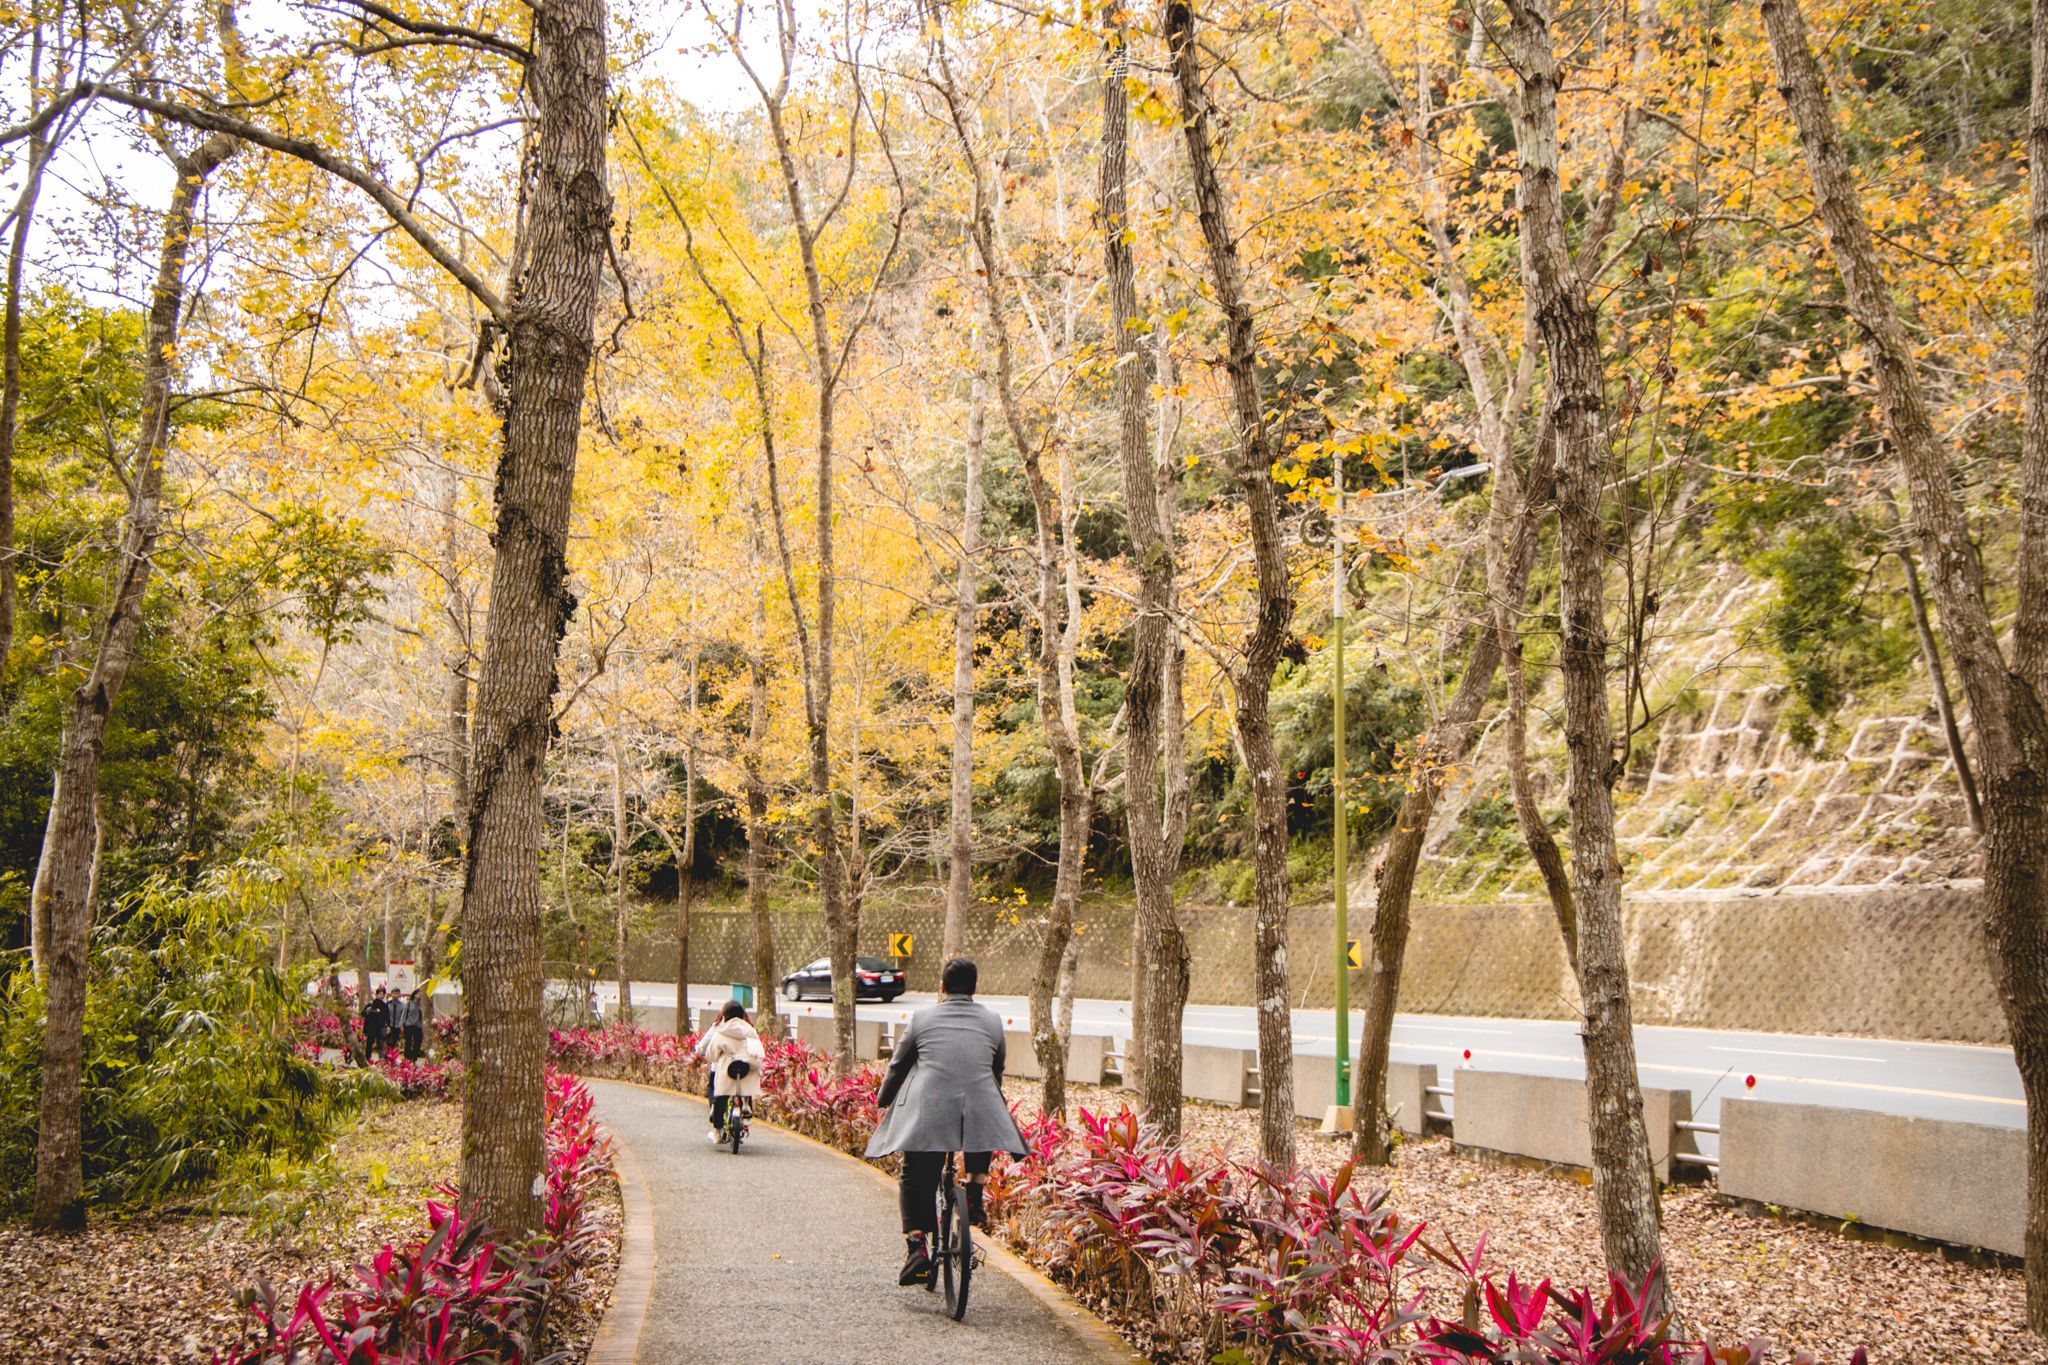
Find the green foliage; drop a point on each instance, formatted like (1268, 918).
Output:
(190, 1066)
(181, 742)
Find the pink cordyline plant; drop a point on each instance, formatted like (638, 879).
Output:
(458, 1296)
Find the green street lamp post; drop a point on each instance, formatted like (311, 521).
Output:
(1339, 792)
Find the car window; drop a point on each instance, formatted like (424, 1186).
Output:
(823, 964)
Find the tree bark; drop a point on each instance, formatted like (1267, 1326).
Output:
(455, 605)
(960, 869)
(620, 928)
(2005, 703)
(1937, 684)
(1057, 614)
(757, 811)
(564, 231)
(1252, 458)
(1159, 947)
(10, 386)
(1449, 742)
(686, 863)
(1624, 1182)
(69, 834)
(842, 929)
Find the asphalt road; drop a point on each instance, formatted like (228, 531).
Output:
(788, 1253)
(1938, 1080)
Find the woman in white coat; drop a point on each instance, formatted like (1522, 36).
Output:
(732, 1050)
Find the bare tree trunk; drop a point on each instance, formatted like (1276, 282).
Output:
(553, 306)
(1159, 947)
(841, 929)
(960, 872)
(10, 385)
(2005, 703)
(1937, 683)
(68, 837)
(1448, 743)
(1624, 1182)
(455, 703)
(1253, 462)
(1057, 620)
(686, 864)
(1507, 585)
(623, 946)
(757, 820)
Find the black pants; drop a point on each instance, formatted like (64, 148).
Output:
(415, 1035)
(917, 1190)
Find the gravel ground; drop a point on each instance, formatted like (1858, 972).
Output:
(159, 1288)
(1736, 1274)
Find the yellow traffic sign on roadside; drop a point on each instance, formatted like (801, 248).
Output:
(1352, 956)
(900, 944)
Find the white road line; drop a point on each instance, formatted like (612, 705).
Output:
(1780, 1052)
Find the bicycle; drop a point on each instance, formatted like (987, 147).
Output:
(738, 1110)
(953, 1253)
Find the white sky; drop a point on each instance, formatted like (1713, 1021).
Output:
(100, 154)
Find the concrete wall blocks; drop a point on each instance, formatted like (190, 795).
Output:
(1086, 1053)
(867, 1040)
(1544, 1117)
(1315, 1090)
(1219, 1075)
(815, 1030)
(1407, 1100)
(1946, 1181)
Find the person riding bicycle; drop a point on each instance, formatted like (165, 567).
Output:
(944, 1093)
(732, 1052)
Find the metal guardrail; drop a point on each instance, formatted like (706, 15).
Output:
(1697, 1158)
(1440, 1115)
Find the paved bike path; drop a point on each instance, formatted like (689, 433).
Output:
(788, 1253)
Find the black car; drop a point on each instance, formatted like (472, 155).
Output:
(875, 978)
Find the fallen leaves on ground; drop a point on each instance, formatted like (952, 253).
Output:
(159, 1288)
(1736, 1274)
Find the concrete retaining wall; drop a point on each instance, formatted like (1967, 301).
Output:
(1544, 1117)
(1315, 1090)
(1220, 1075)
(1905, 963)
(1950, 1182)
(1085, 1054)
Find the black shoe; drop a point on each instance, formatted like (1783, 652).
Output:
(977, 1212)
(917, 1263)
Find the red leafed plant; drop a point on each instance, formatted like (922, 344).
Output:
(1199, 1257)
(457, 1295)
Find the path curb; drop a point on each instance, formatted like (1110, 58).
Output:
(618, 1335)
(1099, 1337)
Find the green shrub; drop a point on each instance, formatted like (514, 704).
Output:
(190, 1064)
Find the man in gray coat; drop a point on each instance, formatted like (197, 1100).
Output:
(943, 1093)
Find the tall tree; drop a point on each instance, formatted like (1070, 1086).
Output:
(966, 608)
(1624, 1181)
(72, 833)
(1056, 610)
(2006, 705)
(828, 360)
(1159, 980)
(1252, 464)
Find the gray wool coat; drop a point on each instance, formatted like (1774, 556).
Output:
(943, 1091)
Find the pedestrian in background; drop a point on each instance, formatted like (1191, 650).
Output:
(377, 1024)
(412, 1020)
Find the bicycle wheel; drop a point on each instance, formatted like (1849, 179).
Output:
(735, 1123)
(942, 1237)
(959, 1263)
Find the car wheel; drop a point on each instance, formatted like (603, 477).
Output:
(790, 992)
